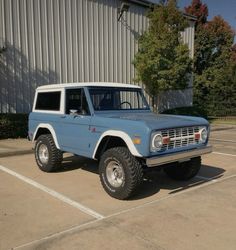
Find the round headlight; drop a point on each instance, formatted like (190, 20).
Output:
(157, 141)
(203, 135)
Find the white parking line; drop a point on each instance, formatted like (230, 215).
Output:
(75, 228)
(219, 153)
(69, 230)
(53, 193)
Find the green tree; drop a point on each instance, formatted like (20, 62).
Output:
(213, 43)
(214, 64)
(163, 61)
(214, 67)
(233, 53)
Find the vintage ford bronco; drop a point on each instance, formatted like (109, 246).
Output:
(112, 123)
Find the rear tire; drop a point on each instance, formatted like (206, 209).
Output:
(120, 173)
(47, 156)
(185, 170)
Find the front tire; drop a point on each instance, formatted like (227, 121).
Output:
(47, 156)
(120, 173)
(185, 170)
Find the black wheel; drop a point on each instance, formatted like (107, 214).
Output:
(185, 170)
(120, 173)
(47, 156)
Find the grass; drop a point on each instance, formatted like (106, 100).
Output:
(195, 111)
(223, 120)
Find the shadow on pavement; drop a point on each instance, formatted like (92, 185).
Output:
(206, 174)
(154, 180)
(71, 163)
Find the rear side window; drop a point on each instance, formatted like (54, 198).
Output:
(48, 101)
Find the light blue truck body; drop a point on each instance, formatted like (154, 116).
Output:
(82, 134)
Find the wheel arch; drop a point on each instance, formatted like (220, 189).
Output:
(119, 137)
(44, 128)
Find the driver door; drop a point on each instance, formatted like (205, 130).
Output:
(74, 133)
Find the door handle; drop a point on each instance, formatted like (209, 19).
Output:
(63, 116)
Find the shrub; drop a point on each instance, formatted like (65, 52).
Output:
(13, 125)
(190, 111)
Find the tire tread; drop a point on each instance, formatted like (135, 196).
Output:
(135, 172)
(184, 171)
(55, 155)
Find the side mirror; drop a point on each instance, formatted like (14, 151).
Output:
(73, 112)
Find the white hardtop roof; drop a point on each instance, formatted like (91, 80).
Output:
(86, 84)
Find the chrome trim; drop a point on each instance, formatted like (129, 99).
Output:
(43, 153)
(180, 156)
(115, 174)
(180, 137)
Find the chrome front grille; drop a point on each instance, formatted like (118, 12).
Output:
(180, 137)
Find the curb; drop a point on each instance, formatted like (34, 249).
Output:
(15, 153)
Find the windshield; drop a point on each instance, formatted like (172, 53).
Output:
(113, 98)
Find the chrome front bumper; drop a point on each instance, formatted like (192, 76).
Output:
(180, 156)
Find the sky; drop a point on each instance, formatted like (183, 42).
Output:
(225, 8)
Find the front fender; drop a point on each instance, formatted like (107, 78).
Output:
(124, 136)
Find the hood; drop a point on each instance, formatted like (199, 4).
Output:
(157, 121)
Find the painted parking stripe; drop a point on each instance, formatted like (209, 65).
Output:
(219, 153)
(53, 193)
(55, 235)
(78, 227)
(170, 196)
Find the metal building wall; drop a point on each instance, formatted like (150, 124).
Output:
(54, 41)
(188, 36)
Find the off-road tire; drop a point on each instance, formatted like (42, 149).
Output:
(132, 172)
(185, 170)
(55, 156)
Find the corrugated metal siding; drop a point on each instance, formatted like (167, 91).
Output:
(188, 37)
(54, 41)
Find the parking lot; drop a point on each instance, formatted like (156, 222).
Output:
(70, 210)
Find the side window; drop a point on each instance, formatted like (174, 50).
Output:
(76, 102)
(48, 101)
